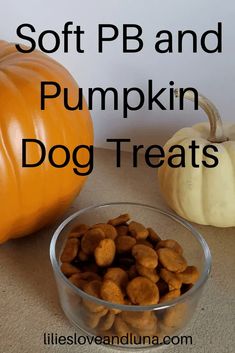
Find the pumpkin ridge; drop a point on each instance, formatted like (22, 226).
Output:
(19, 187)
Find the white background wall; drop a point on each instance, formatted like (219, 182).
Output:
(212, 74)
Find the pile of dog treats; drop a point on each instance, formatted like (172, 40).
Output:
(124, 262)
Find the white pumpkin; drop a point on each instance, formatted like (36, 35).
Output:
(202, 195)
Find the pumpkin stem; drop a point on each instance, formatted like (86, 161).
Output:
(216, 126)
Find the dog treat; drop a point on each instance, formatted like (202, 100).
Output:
(108, 229)
(126, 263)
(121, 328)
(137, 230)
(147, 272)
(91, 240)
(68, 269)
(170, 243)
(117, 275)
(145, 326)
(153, 236)
(105, 252)
(78, 231)
(78, 281)
(171, 278)
(189, 276)
(124, 243)
(175, 293)
(70, 250)
(119, 220)
(93, 319)
(106, 322)
(171, 260)
(144, 255)
(93, 288)
(142, 291)
(111, 292)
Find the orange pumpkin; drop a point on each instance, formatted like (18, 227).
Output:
(31, 198)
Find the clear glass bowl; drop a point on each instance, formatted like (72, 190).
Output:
(149, 322)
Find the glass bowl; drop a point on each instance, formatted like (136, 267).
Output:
(148, 326)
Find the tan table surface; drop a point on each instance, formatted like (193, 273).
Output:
(29, 304)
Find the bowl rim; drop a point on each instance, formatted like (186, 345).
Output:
(197, 235)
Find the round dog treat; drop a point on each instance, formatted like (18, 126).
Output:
(137, 230)
(142, 291)
(122, 229)
(78, 231)
(92, 319)
(106, 322)
(189, 276)
(147, 272)
(149, 329)
(105, 252)
(68, 269)
(171, 279)
(93, 288)
(170, 243)
(175, 293)
(121, 328)
(108, 229)
(153, 236)
(145, 256)
(91, 240)
(124, 243)
(171, 260)
(111, 292)
(119, 220)
(117, 275)
(70, 250)
(139, 319)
